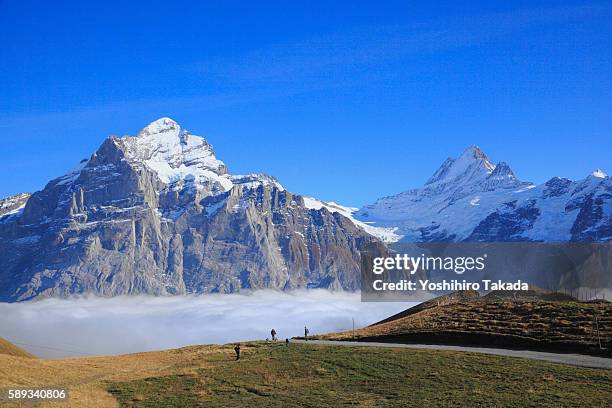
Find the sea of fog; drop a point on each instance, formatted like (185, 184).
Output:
(101, 326)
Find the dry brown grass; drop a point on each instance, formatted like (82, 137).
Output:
(8, 348)
(503, 321)
(87, 377)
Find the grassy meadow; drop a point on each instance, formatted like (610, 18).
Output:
(302, 375)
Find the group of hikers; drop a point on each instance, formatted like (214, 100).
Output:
(274, 338)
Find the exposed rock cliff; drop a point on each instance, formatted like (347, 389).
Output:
(160, 214)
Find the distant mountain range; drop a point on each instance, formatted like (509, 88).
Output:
(159, 214)
(471, 199)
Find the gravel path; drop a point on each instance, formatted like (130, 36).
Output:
(573, 359)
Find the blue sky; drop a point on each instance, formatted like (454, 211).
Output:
(343, 101)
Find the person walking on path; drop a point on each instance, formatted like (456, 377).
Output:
(306, 332)
(273, 333)
(237, 350)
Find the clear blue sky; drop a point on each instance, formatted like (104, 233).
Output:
(344, 101)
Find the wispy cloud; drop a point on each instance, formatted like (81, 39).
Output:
(328, 58)
(129, 324)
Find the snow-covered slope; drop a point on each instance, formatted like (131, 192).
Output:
(469, 198)
(177, 157)
(11, 207)
(385, 234)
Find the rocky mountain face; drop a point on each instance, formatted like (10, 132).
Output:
(160, 214)
(471, 199)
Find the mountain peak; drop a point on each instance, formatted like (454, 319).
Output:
(473, 151)
(160, 126)
(502, 177)
(179, 158)
(472, 164)
(502, 169)
(599, 173)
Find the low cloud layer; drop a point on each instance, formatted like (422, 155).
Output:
(96, 326)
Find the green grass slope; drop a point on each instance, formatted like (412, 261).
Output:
(298, 375)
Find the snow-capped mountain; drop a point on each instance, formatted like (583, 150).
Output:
(160, 214)
(471, 199)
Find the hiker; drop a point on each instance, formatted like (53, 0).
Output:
(306, 332)
(237, 350)
(273, 333)
(286, 342)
